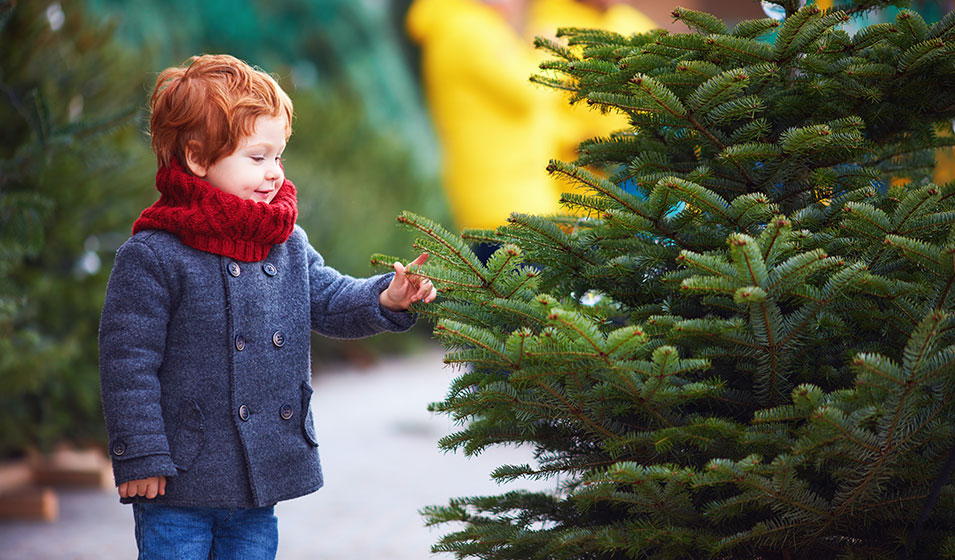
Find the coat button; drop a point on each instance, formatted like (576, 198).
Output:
(278, 339)
(234, 269)
(119, 448)
(244, 413)
(270, 269)
(286, 411)
(239, 343)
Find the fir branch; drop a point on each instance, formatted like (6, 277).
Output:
(670, 47)
(584, 329)
(613, 192)
(879, 366)
(795, 269)
(747, 51)
(549, 232)
(912, 24)
(556, 48)
(470, 335)
(870, 215)
(753, 28)
(923, 340)
(529, 277)
(701, 70)
(701, 21)
(872, 34)
(563, 85)
(836, 420)
(724, 84)
(473, 236)
(437, 233)
(715, 330)
(660, 94)
(923, 54)
(915, 203)
(765, 317)
(575, 410)
(919, 343)
(834, 287)
(698, 196)
(944, 27)
(719, 145)
(510, 253)
(775, 238)
(791, 28)
(917, 251)
(749, 263)
(714, 265)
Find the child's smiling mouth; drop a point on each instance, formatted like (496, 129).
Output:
(264, 194)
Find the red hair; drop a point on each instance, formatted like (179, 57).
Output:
(208, 104)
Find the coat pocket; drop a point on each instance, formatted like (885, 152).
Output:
(190, 436)
(308, 425)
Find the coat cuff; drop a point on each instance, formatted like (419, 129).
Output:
(399, 321)
(139, 457)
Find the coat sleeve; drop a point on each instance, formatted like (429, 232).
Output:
(132, 339)
(347, 307)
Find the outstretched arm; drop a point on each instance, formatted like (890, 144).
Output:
(406, 289)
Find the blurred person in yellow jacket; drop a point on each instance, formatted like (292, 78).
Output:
(580, 122)
(496, 129)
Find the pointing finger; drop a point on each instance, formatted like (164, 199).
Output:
(422, 258)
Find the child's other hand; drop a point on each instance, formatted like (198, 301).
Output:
(406, 289)
(149, 487)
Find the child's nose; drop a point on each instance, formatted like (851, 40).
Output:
(274, 172)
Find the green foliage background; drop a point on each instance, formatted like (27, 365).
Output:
(76, 169)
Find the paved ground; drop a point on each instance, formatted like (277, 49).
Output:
(381, 463)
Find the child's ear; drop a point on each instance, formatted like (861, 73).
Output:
(192, 160)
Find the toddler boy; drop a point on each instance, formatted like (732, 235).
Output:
(204, 337)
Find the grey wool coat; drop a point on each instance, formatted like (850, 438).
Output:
(204, 366)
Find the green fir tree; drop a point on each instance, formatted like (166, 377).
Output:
(71, 151)
(739, 343)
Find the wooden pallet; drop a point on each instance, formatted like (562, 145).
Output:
(15, 474)
(27, 486)
(67, 467)
(30, 503)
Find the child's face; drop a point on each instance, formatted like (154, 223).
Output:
(253, 171)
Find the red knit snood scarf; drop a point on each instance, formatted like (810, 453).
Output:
(211, 220)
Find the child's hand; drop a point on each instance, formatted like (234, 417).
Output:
(406, 289)
(149, 487)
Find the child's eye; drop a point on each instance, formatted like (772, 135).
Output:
(258, 159)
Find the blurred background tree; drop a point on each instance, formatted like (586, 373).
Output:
(71, 164)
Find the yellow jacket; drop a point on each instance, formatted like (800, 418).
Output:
(496, 129)
(579, 122)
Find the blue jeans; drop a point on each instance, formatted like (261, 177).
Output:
(203, 533)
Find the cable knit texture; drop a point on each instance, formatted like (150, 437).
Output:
(211, 220)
